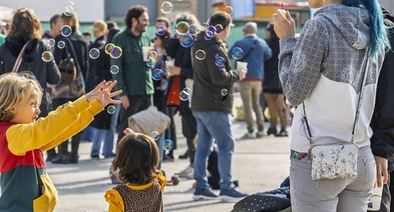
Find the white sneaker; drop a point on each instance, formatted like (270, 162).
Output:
(248, 136)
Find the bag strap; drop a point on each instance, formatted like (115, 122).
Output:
(251, 49)
(366, 61)
(18, 60)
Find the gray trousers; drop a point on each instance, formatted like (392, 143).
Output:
(342, 195)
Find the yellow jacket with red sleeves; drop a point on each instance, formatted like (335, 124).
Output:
(24, 182)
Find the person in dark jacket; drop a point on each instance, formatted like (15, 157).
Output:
(272, 87)
(75, 49)
(55, 25)
(211, 108)
(26, 29)
(180, 72)
(104, 125)
(382, 124)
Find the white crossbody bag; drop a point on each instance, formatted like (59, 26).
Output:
(338, 160)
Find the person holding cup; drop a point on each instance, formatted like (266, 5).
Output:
(135, 76)
(322, 73)
(212, 102)
(255, 52)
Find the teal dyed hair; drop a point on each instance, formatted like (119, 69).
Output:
(379, 41)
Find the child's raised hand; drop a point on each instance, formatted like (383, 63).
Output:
(102, 93)
(128, 131)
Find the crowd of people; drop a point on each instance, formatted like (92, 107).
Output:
(64, 88)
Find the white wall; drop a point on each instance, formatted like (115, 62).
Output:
(87, 10)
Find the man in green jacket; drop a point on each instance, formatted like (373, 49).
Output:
(134, 76)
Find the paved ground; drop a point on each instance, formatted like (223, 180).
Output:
(258, 164)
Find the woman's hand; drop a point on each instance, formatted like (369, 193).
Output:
(102, 93)
(382, 175)
(284, 24)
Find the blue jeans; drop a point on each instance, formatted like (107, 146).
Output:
(213, 125)
(87, 134)
(105, 134)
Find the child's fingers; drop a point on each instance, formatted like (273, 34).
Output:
(115, 93)
(115, 101)
(112, 85)
(101, 85)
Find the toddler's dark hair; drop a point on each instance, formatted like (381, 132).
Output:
(136, 158)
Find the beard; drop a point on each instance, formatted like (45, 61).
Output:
(140, 28)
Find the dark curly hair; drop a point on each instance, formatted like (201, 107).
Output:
(136, 159)
(134, 12)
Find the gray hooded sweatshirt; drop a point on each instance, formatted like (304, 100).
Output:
(323, 68)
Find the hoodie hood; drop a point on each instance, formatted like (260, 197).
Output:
(351, 22)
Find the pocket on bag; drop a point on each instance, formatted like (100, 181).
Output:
(48, 199)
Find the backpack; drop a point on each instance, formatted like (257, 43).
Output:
(68, 66)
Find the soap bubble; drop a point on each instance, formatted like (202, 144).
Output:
(210, 33)
(116, 52)
(155, 135)
(237, 53)
(68, 10)
(51, 42)
(211, 29)
(229, 10)
(66, 31)
(47, 56)
(111, 109)
(109, 47)
(200, 54)
(61, 44)
(220, 61)
(185, 94)
(224, 92)
(161, 31)
(182, 28)
(168, 145)
(186, 40)
(194, 30)
(157, 74)
(94, 53)
(218, 28)
(114, 69)
(166, 7)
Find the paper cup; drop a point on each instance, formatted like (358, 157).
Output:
(145, 52)
(242, 66)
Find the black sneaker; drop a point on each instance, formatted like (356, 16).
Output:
(50, 157)
(61, 159)
(204, 194)
(283, 133)
(272, 131)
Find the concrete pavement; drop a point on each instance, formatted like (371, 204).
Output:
(258, 164)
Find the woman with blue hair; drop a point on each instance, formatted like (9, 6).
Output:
(330, 73)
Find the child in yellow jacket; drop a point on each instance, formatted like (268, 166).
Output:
(24, 182)
(136, 160)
